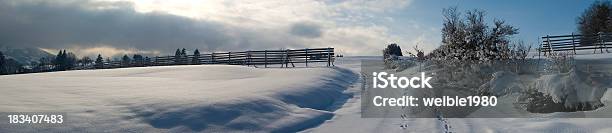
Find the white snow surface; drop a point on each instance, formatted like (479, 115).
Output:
(348, 118)
(221, 98)
(200, 98)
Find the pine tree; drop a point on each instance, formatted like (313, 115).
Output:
(57, 60)
(138, 60)
(2, 63)
(177, 56)
(99, 62)
(60, 60)
(125, 61)
(184, 56)
(392, 49)
(196, 57)
(596, 19)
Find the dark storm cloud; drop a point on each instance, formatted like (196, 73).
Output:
(305, 29)
(63, 25)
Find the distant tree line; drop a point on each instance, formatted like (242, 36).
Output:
(180, 57)
(65, 60)
(10, 66)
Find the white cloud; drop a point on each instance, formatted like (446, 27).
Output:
(358, 27)
(345, 24)
(374, 5)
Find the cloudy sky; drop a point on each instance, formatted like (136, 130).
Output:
(358, 27)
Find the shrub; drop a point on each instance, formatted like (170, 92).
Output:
(392, 49)
(560, 62)
(470, 38)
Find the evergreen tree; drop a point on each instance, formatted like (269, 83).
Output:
(99, 62)
(177, 56)
(3, 64)
(59, 61)
(196, 57)
(596, 19)
(64, 60)
(138, 60)
(392, 49)
(184, 56)
(125, 61)
(184, 52)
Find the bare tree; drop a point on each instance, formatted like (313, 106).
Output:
(470, 38)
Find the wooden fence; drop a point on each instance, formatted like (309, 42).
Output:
(250, 58)
(575, 42)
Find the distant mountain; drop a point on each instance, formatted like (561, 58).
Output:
(25, 56)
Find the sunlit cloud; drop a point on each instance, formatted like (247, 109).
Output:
(161, 26)
(105, 51)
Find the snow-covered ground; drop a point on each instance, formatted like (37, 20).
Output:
(202, 98)
(221, 98)
(348, 118)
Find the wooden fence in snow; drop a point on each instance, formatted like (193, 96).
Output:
(250, 58)
(575, 42)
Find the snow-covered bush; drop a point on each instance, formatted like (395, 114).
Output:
(472, 51)
(559, 62)
(501, 83)
(418, 53)
(392, 50)
(392, 60)
(470, 38)
(562, 92)
(398, 64)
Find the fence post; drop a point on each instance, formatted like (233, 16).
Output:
(266, 58)
(289, 58)
(248, 60)
(229, 58)
(573, 45)
(212, 58)
(606, 45)
(539, 48)
(328, 57)
(601, 42)
(155, 61)
(307, 55)
(549, 45)
(285, 58)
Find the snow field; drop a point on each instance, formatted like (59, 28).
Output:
(202, 98)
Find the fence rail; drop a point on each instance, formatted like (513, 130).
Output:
(575, 42)
(255, 58)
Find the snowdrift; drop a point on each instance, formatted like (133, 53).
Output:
(203, 98)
